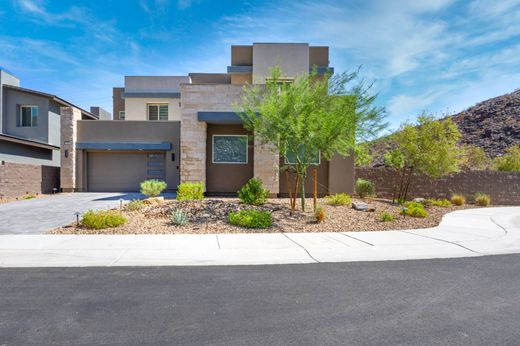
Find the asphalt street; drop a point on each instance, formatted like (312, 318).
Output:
(468, 301)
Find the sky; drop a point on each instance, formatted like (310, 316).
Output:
(438, 56)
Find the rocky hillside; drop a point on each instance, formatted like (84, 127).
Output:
(493, 124)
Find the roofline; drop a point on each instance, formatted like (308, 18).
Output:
(26, 141)
(53, 97)
(9, 72)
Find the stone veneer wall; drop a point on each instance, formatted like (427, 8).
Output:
(216, 97)
(17, 179)
(69, 132)
(503, 187)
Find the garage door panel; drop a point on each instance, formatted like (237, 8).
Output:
(114, 172)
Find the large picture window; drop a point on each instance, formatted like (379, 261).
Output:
(230, 149)
(290, 158)
(158, 111)
(28, 116)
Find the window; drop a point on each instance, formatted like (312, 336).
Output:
(230, 149)
(291, 160)
(158, 111)
(122, 115)
(28, 116)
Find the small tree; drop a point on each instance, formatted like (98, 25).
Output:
(314, 115)
(363, 157)
(428, 147)
(510, 161)
(474, 158)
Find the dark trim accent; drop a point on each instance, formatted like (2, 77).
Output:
(225, 118)
(151, 94)
(13, 139)
(322, 69)
(240, 69)
(52, 97)
(124, 146)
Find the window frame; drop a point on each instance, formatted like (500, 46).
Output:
(158, 105)
(123, 117)
(228, 163)
(20, 115)
(286, 161)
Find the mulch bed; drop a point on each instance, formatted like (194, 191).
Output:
(210, 216)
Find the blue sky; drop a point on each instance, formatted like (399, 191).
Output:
(435, 55)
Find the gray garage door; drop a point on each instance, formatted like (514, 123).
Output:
(122, 171)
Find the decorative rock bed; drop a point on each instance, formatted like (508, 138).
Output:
(211, 216)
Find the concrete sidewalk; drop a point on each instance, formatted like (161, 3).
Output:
(473, 232)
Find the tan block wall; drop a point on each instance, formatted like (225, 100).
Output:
(196, 98)
(69, 132)
(267, 166)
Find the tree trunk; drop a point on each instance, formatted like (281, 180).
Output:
(295, 195)
(302, 191)
(410, 173)
(289, 190)
(315, 194)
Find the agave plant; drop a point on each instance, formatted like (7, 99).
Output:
(179, 217)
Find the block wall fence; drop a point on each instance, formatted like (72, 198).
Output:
(503, 187)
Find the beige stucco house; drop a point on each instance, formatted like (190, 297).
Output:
(183, 128)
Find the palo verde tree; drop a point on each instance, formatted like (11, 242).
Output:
(312, 115)
(428, 147)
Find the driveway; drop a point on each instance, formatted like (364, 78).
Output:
(38, 215)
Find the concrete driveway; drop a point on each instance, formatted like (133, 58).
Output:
(38, 215)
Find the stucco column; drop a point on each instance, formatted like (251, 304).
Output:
(267, 165)
(193, 148)
(69, 131)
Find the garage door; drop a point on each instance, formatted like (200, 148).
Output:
(123, 171)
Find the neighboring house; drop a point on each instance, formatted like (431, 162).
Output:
(101, 113)
(30, 138)
(184, 128)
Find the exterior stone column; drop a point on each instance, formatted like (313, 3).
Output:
(69, 131)
(267, 166)
(193, 149)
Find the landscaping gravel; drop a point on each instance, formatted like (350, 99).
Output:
(210, 216)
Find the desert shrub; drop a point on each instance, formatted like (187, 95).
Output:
(414, 209)
(179, 217)
(251, 218)
(102, 219)
(439, 203)
(136, 204)
(482, 199)
(253, 192)
(364, 188)
(153, 187)
(458, 199)
(510, 161)
(386, 217)
(339, 199)
(190, 191)
(319, 214)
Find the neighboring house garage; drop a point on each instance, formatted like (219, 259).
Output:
(118, 156)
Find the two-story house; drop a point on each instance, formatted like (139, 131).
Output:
(184, 128)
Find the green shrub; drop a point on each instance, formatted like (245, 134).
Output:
(439, 202)
(386, 217)
(190, 191)
(482, 199)
(458, 199)
(364, 188)
(510, 161)
(136, 204)
(179, 217)
(414, 209)
(251, 218)
(102, 219)
(253, 192)
(319, 214)
(153, 187)
(339, 199)
(29, 197)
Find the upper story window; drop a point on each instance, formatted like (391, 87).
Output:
(121, 115)
(158, 111)
(28, 116)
